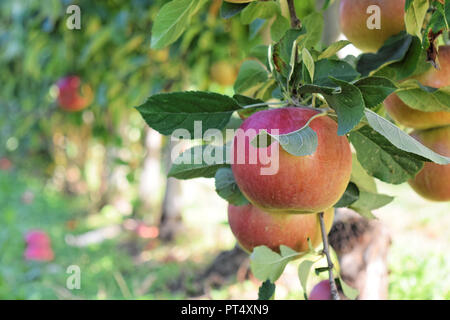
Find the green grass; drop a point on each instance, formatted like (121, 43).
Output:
(102, 265)
(110, 271)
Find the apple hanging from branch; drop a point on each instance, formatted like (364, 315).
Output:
(253, 227)
(369, 23)
(417, 119)
(433, 181)
(301, 184)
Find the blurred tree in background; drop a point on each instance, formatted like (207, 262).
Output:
(100, 152)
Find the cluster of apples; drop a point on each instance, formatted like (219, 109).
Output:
(73, 96)
(38, 246)
(284, 205)
(430, 128)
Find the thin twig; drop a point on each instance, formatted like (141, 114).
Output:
(295, 21)
(334, 291)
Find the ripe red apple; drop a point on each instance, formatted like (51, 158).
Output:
(38, 246)
(321, 291)
(253, 227)
(433, 181)
(302, 184)
(72, 95)
(416, 119)
(354, 18)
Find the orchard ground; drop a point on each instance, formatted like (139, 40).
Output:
(122, 265)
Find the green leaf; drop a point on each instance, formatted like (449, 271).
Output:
(266, 291)
(285, 49)
(259, 10)
(260, 52)
(411, 64)
(349, 106)
(422, 98)
(402, 140)
(302, 142)
(227, 188)
(326, 4)
(245, 101)
(269, 265)
(348, 291)
(375, 90)
(255, 27)
(361, 178)
(337, 69)
(171, 21)
(308, 61)
(438, 19)
(381, 159)
(199, 161)
(313, 24)
(251, 74)
(229, 10)
(393, 50)
(368, 198)
(166, 112)
(350, 195)
(346, 100)
(279, 28)
(369, 201)
(303, 272)
(333, 49)
(415, 16)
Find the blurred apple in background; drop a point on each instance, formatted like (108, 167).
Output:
(356, 17)
(224, 73)
(5, 164)
(73, 95)
(38, 246)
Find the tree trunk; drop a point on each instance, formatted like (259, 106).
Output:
(170, 221)
(151, 177)
(332, 29)
(362, 247)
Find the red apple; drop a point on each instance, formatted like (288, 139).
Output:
(37, 237)
(39, 254)
(321, 291)
(5, 164)
(433, 181)
(298, 184)
(72, 95)
(38, 246)
(354, 18)
(253, 227)
(416, 119)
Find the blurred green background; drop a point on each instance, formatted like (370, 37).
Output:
(95, 180)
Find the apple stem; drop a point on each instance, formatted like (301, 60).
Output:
(295, 21)
(334, 291)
